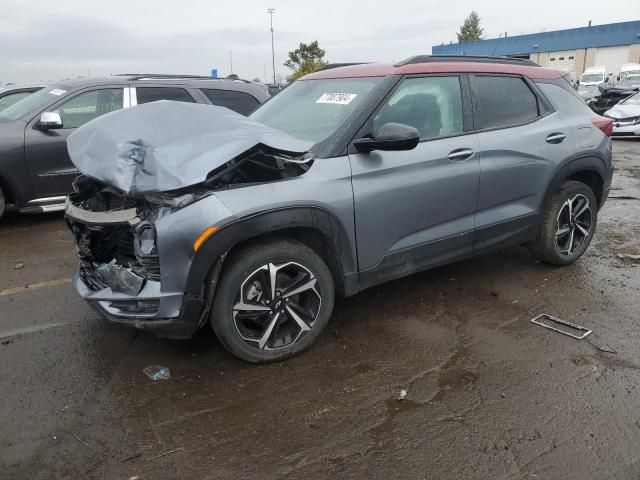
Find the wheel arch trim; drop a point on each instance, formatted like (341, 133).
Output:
(270, 222)
(588, 163)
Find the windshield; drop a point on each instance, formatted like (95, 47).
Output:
(32, 102)
(630, 75)
(592, 77)
(315, 109)
(632, 100)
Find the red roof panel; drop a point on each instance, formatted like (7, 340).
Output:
(383, 69)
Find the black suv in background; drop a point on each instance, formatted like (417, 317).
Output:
(35, 170)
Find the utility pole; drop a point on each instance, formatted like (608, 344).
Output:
(271, 11)
(231, 60)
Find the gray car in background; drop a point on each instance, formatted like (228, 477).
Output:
(35, 170)
(13, 93)
(350, 177)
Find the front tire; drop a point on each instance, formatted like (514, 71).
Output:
(273, 300)
(568, 225)
(2, 203)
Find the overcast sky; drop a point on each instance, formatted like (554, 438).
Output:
(49, 40)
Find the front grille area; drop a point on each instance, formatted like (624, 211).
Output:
(99, 245)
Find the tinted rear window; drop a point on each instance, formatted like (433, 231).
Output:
(152, 94)
(503, 102)
(240, 102)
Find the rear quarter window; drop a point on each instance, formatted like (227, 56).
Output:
(240, 102)
(153, 94)
(564, 100)
(503, 101)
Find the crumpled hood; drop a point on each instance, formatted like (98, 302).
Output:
(168, 145)
(623, 111)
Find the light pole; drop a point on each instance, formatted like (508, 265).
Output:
(271, 11)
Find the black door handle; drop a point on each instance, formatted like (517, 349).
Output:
(557, 137)
(460, 154)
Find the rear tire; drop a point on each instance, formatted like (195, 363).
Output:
(273, 301)
(568, 224)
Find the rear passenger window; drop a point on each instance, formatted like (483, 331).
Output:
(503, 102)
(152, 94)
(240, 102)
(433, 105)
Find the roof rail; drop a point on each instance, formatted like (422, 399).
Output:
(159, 76)
(466, 58)
(329, 66)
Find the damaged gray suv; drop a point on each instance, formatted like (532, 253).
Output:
(188, 215)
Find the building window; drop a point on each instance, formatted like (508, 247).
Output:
(561, 58)
(552, 59)
(571, 58)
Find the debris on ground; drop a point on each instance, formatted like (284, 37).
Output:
(573, 330)
(403, 394)
(18, 266)
(606, 348)
(157, 372)
(81, 441)
(628, 256)
(165, 453)
(132, 457)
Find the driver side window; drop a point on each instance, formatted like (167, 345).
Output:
(82, 108)
(432, 105)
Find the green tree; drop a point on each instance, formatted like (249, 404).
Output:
(470, 30)
(307, 58)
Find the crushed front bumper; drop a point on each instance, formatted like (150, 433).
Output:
(119, 308)
(119, 273)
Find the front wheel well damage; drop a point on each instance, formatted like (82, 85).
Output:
(315, 239)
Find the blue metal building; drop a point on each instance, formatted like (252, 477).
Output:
(574, 49)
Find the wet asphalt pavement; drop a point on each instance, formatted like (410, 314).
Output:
(488, 394)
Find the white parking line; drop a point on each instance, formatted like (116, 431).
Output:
(35, 328)
(33, 286)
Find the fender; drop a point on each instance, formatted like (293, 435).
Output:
(245, 228)
(590, 163)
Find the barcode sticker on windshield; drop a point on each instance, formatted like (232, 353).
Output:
(57, 91)
(337, 98)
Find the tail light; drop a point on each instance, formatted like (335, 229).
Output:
(604, 124)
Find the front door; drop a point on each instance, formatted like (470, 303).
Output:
(415, 209)
(48, 163)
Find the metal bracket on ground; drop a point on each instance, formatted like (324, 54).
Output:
(539, 320)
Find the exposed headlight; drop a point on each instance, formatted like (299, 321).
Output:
(174, 200)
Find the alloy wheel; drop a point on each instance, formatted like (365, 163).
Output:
(574, 225)
(277, 304)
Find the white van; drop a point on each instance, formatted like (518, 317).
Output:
(593, 76)
(627, 70)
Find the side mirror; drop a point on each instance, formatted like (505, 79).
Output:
(390, 136)
(50, 121)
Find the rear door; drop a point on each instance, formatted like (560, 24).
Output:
(48, 163)
(521, 140)
(414, 209)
